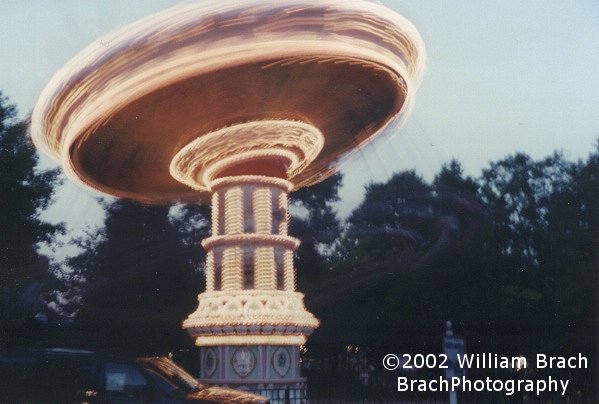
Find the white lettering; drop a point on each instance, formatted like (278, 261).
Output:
(564, 385)
(465, 360)
(561, 362)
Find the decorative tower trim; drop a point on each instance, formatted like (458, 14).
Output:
(250, 297)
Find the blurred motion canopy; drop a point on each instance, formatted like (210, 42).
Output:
(119, 112)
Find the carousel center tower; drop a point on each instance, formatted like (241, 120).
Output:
(250, 296)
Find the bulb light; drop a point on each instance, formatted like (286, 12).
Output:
(263, 210)
(265, 264)
(220, 340)
(289, 271)
(215, 213)
(232, 269)
(234, 211)
(284, 207)
(210, 271)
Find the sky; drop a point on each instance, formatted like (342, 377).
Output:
(501, 77)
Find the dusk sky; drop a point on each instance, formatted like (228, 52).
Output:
(501, 77)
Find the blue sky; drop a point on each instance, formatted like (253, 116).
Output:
(501, 76)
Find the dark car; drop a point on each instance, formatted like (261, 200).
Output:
(77, 376)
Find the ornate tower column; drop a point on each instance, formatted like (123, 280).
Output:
(250, 321)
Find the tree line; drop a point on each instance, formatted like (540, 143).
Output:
(510, 257)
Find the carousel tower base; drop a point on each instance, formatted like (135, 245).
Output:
(270, 370)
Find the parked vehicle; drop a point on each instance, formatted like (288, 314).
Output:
(78, 376)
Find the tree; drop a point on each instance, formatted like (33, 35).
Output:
(391, 218)
(25, 191)
(141, 277)
(386, 286)
(316, 224)
(569, 257)
(466, 274)
(516, 191)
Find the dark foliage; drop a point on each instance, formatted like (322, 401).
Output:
(317, 226)
(141, 276)
(511, 258)
(25, 191)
